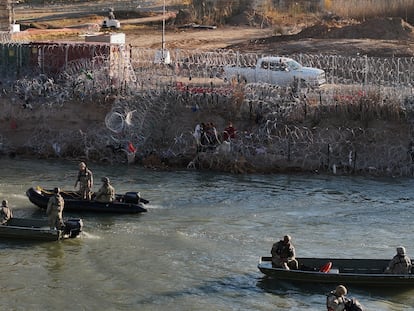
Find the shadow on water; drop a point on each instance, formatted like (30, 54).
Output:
(21, 243)
(241, 285)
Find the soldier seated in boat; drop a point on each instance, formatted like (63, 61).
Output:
(106, 193)
(5, 212)
(400, 263)
(283, 254)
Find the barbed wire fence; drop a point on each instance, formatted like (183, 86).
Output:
(158, 105)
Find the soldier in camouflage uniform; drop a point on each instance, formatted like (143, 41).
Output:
(85, 180)
(54, 210)
(283, 254)
(5, 212)
(106, 193)
(400, 263)
(336, 300)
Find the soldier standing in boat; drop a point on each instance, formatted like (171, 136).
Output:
(283, 254)
(5, 212)
(54, 210)
(106, 193)
(85, 180)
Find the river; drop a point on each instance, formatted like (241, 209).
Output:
(198, 245)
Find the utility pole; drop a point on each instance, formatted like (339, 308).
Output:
(163, 34)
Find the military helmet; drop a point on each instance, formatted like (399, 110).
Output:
(401, 250)
(56, 190)
(105, 180)
(4, 203)
(341, 290)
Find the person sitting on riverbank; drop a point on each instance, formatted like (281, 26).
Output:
(400, 263)
(229, 132)
(106, 193)
(283, 254)
(5, 213)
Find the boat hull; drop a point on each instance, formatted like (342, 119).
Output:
(363, 272)
(38, 229)
(125, 204)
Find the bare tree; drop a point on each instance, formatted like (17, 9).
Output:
(217, 11)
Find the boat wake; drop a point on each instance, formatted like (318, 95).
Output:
(86, 235)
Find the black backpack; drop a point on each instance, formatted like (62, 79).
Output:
(353, 305)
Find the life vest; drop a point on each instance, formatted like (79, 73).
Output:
(326, 267)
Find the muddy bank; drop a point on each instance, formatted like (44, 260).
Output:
(156, 131)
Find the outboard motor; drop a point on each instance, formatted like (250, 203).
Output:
(132, 197)
(73, 227)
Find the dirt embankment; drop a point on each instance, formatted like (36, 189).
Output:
(381, 38)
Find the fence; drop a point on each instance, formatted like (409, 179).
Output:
(289, 126)
(22, 59)
(391, 72)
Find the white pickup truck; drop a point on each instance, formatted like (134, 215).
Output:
(281, 71)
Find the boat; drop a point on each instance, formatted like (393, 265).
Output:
(127, 203)
(38, 229)
(363, 272)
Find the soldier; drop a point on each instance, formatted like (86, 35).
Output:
(400, 263)
(85, 180)
(5, 212)
(106, 193)
(111, 14)
(283, 254)
(336, 300)
(54, 210)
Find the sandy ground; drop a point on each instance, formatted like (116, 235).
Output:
(206, 39)
(143, 28)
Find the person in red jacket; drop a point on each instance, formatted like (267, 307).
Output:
(229, 132)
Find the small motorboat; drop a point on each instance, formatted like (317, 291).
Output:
(363, 272)
(38, 229)
(127, 203)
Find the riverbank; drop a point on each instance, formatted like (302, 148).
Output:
(299, 133)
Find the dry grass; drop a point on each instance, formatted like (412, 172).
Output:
(363, 9)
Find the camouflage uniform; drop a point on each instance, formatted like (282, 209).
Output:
(5, 212)
(106, 193)
(283, 254)
(85, 180)
(400, 263)
(336, 300)
(54, 210)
